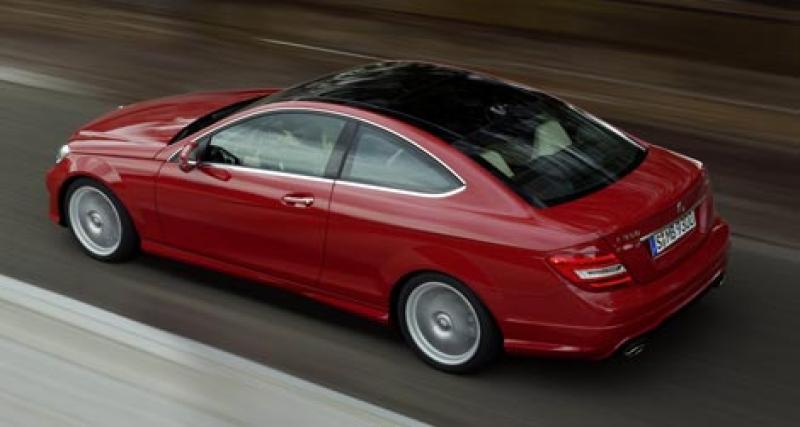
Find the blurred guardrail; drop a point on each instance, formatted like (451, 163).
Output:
(758, 35)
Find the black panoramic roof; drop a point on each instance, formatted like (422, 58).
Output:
(493, 122)
(448, 102)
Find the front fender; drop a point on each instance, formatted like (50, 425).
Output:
(130, 180)
(72, 167)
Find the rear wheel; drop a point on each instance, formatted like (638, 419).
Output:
(99, 222)
(446, 324)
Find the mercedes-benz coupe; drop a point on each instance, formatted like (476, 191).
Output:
(476, 214)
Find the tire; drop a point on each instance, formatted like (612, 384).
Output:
(446, 324)
(99, 222)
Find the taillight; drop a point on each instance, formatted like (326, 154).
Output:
(592, 271)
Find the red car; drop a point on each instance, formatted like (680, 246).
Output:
(476, 214)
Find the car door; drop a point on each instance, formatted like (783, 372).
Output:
(259, 196)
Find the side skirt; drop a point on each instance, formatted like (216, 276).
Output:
(377, 314)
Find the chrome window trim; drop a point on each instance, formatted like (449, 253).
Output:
(216, 127)
(605, 125)
(399, 191)
(259, 171)
(172, 156)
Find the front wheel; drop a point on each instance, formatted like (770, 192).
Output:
(99, 222)
(446, 324)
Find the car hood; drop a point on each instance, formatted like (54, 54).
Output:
(145, 127)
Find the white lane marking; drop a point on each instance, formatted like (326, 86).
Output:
(556, 70)
(662, 89)
(48, 339)
(317, 48)
(22, 77)
(767, 249)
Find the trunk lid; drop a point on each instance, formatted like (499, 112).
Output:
(665, 187)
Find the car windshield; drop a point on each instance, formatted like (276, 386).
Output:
(212, 118)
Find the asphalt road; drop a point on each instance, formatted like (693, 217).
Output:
(730, 359)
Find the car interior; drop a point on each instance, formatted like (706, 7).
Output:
(293, 143)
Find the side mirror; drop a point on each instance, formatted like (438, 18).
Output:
(185, 162)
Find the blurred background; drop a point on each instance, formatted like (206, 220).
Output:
(718, 80)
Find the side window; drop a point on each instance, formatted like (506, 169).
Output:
(299, 143)
(380, 158)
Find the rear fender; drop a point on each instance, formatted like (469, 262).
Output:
(430, 258)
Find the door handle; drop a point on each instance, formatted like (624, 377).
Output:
(298, 201)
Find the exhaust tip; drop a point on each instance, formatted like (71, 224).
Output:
(719, 280)
(633, 348)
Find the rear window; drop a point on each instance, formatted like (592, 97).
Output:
(546, 150)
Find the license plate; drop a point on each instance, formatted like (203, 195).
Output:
(667, 236)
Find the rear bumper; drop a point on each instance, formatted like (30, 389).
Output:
(626, 314)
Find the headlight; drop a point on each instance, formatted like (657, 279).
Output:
(62, 152)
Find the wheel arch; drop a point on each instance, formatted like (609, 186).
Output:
(62, 196)
(394, 292)
(90, 167)
(128, 239)
(62, 192)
